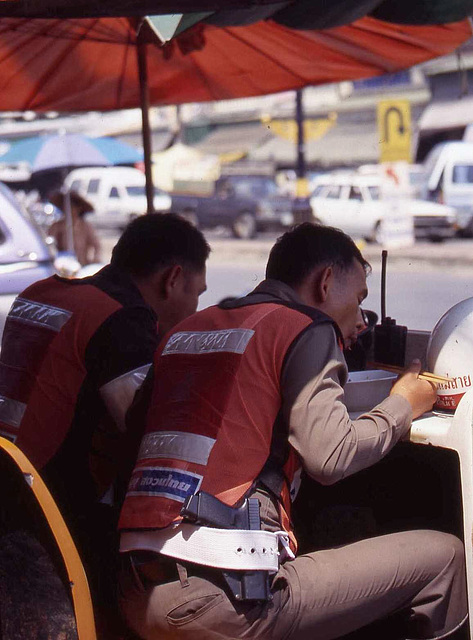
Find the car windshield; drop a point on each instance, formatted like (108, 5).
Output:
(432, 158)
(140, 191)
(254, 187)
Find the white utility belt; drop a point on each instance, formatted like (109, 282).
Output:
(232, 549)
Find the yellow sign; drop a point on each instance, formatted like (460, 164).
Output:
(313, 129)
(394, 127)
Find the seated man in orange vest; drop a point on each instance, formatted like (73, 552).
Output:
(74, 352)
(246, 394)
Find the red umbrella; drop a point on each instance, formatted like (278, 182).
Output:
(91, 64)
(84, 64)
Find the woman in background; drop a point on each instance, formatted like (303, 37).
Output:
(86, 243)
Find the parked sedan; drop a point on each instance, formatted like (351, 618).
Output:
(353, 203)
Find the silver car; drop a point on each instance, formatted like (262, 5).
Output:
(25, 256)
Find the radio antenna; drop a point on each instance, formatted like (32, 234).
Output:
(384, 261)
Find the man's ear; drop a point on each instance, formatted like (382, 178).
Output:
(169, 280)
(323, 284)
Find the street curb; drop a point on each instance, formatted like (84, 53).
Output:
(231, 252)
(246, 252)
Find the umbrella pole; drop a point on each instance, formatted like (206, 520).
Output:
(146, 130)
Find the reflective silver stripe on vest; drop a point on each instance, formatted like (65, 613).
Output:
(199, 342)
(40, 314)
(11, 411)
(189, 447)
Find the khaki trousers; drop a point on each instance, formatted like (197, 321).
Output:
(319, 596)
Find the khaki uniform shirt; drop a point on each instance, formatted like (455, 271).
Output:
(330, 445)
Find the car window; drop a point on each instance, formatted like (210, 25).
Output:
(318, 190)
(93, 186)
(76, 185)
(462, 174)
(374, 192)
(224, 189)
(136, 191)
(113, 193)
(355, 194)
(254, 186)
(333, 191)
(139, 191)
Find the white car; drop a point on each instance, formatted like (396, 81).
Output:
(118, 194)
(352, 203)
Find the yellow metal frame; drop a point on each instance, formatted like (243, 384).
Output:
(81, 599)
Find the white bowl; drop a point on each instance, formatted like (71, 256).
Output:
(365, 389)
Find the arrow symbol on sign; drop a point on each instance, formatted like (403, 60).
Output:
(401, 128)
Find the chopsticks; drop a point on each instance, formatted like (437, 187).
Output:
(423, 375)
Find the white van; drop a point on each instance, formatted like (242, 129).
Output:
(118, 194)
(448, 178)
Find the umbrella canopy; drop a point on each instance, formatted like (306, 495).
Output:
(44, 153)
(99, 64)
(73, 65)
(296, 13)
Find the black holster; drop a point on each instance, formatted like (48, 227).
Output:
(204, 509)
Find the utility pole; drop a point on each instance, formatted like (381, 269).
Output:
(301, 209)
(300, 166)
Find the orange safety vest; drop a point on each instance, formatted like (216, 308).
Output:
(214, 422)
(40, 374)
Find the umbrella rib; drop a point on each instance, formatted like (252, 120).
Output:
(73, 44)
(202, 75)
(45, 29)
(362, 53)
(123, 66)
(205, 79)
(231, 32)
(327, 37)
(358, 53)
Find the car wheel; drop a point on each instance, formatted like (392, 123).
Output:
(191, 217)
(244, 226)
(467, 232)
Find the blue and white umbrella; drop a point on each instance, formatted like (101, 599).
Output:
(50, 152)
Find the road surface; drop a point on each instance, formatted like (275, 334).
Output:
(414, 297)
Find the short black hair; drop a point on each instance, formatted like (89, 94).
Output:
(309, 245)
(154, 241)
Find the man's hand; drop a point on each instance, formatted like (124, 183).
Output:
(420, 394)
